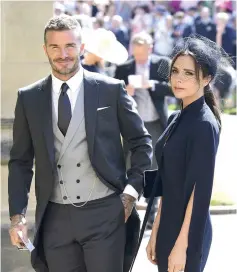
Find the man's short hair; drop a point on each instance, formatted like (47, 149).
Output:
(142, 38)
(61, 23)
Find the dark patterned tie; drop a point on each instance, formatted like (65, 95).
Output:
(64, 109)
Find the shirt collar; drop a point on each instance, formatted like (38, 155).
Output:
(73, 83)
(146, 64)
(195, 106)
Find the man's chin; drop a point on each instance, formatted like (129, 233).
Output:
(65, 71)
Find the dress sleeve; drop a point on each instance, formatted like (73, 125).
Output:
(201, 153)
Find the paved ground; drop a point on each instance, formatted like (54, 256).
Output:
(222, 257)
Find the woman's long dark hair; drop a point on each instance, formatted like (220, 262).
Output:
(212, 103)
(209, 96)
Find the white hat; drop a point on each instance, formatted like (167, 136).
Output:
(104, 44)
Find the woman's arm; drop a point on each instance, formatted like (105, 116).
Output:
(157, 219)
(182, 239)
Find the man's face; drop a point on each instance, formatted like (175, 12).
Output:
(63, 50)
(141, 52)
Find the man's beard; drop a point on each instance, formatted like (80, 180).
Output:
(64, 71)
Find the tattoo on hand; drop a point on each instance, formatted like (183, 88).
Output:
(128, 203)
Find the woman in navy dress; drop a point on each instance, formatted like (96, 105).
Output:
(182, 233)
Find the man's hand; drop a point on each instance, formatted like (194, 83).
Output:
(130, 89)
(18, 223)
(147, 84)
(128, 203)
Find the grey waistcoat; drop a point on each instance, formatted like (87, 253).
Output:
(75, 177)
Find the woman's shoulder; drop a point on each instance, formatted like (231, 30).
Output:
(205, 123)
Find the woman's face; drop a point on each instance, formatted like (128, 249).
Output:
(183, 79)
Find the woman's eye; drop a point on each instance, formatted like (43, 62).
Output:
(189, 74)
(174, 71)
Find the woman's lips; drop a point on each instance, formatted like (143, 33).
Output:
(178, 89)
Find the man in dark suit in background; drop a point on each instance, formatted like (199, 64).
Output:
(148, 89)
(203, 26)
(71, 122)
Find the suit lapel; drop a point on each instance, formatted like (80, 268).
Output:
(45, 102)
(77, 117)
(133, 68)
(91, 99)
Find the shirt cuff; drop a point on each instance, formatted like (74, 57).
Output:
(131, 191)
(153, 87)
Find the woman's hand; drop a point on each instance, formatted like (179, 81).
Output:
(151, 247)
(177, 258)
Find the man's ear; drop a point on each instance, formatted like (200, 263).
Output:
(82, 49)
(45, 51)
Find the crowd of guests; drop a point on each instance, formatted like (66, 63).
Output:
(166, 22)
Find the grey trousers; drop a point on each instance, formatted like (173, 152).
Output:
(87, 239)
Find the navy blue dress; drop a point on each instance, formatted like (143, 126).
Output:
(187, 160)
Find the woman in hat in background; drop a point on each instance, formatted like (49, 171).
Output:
(101, 45)
(182, 232)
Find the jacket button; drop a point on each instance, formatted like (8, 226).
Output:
(78, 197)
(78, 180)
(78, 165)
(61, 182)
(65, 198)
(59, 166)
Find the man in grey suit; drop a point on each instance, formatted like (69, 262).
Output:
(71, 122)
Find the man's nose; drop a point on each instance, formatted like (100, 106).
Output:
(63, 53)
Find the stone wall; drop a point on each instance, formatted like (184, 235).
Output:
(22, 56)
(22, 62)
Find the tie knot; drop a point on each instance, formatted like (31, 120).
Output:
(64, 88)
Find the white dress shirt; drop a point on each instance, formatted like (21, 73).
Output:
(74, 84)
(145, 105)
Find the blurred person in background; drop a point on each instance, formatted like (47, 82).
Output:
(119, 30)
(206, 26)
(163, 40)
(149, 94)
(225, 34)
(233, 25)
(142, 20)
(223, 85)
(110, 11)
(85, 8)
(59, 8)
(102, 46)
(203, 25)
(159, 20)
(97, 22)
(179, 26)
(191, 15)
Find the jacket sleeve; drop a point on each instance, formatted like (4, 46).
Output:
(201, 153)
(121, 74)
(20, 163)
(139, 141)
